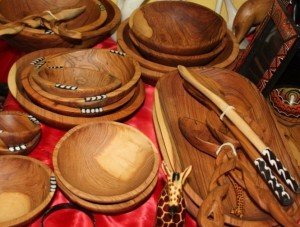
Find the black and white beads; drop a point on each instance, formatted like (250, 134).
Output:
(66, 87)
(33, 119)
(118, 52)
(17, 148)
(53, 184)
(38, 63)
(55, 67)
(91, 110)
(49, 32)
(101, 6)
(95, 98)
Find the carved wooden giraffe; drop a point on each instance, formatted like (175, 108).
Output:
(171, 207)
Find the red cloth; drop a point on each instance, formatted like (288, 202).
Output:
(142, 216)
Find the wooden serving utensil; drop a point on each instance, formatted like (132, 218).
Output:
(204, 85)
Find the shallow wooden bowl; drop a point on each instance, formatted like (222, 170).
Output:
(191, 28)
(58, 120)
(26, 188)
(115, 162)
(174, 60)
(33, 39)
(17, 128)
(156, 70)
(114, 208)
(75, 82)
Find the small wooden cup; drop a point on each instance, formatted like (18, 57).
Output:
(115, 162)
(26, 188)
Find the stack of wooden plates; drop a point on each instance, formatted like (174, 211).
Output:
(184, 34)
(97, 21)
(65, 87)
(175, 102)
(106, 167)
(19, 132)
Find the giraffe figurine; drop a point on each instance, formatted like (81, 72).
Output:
(171, 206)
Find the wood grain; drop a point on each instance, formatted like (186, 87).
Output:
(116, 162)
(192, 28)
(58, 120)
(34, 191)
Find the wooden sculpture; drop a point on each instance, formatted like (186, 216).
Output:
(171, 206)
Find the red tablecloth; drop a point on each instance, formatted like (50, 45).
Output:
(144, 215)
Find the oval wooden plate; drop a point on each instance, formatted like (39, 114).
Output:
(58, 120)
(116, 162)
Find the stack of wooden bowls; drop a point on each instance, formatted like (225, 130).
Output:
(106, 167)
(19, 132)
(98, 20)
(184, 34)
(65, 87)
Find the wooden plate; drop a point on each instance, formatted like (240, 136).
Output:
(174, 60)
(116, 162)
(109, 208)
(225, 58)
(17, 128)
(28, 191)
(58, 120)
(191, 28)
(180, 153)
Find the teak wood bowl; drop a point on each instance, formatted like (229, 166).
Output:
(17, 128)
(115, 162)
(153, 71)
(55, 119)
(26, 188)
(191, 28)
(34, 39)
(174, 60)
(75, 82)
(114, 208)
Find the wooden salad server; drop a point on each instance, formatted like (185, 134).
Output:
(248, 133)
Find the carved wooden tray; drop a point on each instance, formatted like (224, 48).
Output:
(173, 102)
(59, 120)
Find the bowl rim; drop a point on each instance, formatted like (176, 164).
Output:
(33, 213)
(101, 198)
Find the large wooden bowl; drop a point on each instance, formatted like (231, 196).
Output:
(33, 39)
(26, 188)
(115, 162)
(178, 27)
(58, 120)
(75, 82)
(17, 128)
(174, 60)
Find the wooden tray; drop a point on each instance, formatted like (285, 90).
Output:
(58, 120)
(180, 153)
(225, 58)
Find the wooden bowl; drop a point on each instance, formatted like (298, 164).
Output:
(17, 128)
(75, 82)
(33, 39)
(110, 208)
(155, 70)
(59, 120)
(26, 188)
(122, 67)
(116, 162)
(174, 60)
(191, 28)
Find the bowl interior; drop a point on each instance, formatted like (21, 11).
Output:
(24, 185)
(15, 122)
(14, 10)
(105, 159)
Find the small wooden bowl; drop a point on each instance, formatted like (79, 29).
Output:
(174, 60)
(110, 208)
(33, 39)
(115, 162)
(26, 188)
(17, 128)
(191, 28)
(75, 82)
